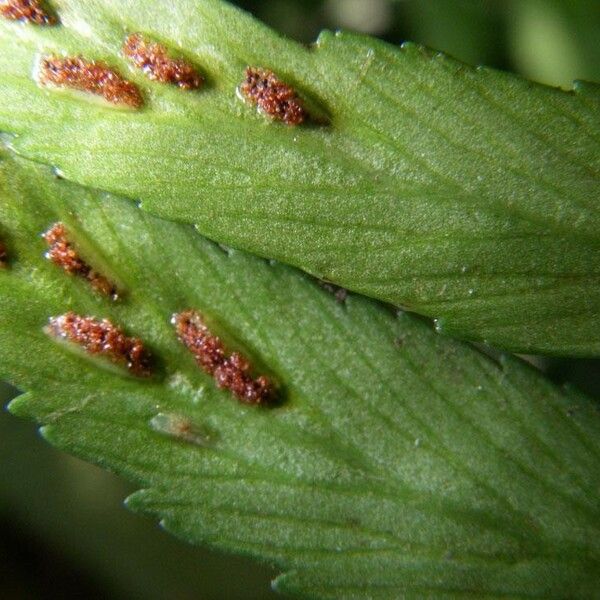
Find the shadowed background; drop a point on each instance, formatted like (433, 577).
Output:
(63, 530)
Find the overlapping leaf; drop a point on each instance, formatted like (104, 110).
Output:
(465, 194)
(397, 463)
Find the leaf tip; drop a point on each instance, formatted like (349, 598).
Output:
(19, 406)
(137, 502)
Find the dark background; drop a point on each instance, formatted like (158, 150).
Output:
(63, 530)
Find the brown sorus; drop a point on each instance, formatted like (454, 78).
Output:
(89, 76)
(154, 60)
(63, 254)
(230, 371)
(31, 11)
(101, 337)
(272, 96)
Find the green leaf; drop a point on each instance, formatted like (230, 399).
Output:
(71, 510)
(397, 461)
(467, 195)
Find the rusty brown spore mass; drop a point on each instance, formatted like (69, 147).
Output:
(30, 11)
(102, 337)
(90, 76)
(272, 96)
(230, 371)
(154, 60)
(63, 254)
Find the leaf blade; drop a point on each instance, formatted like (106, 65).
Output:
(393, 446)
(430, 180)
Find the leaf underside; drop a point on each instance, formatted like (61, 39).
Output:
(398, 462)
(467, 195)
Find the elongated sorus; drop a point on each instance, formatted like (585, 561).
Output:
(101, 337)
(30, 11)
(154, 60)
(272, 96)
(62, 253)
(230, 371)
(89, 76)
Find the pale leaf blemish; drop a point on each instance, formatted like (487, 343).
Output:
(75, 22)
(182, 428)
(182, 385)
(56, 415)
(364, 69)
